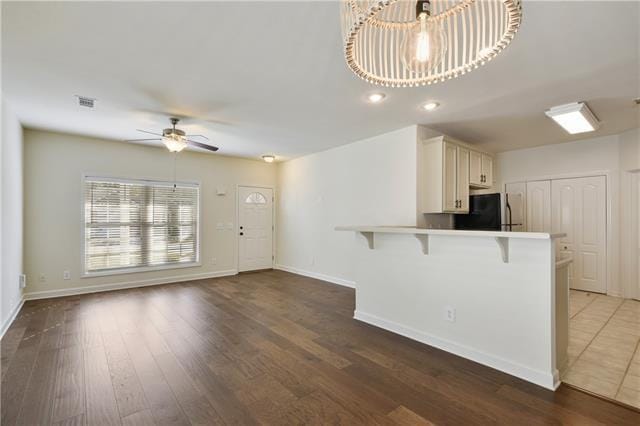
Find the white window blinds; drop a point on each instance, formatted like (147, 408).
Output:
(139, 224)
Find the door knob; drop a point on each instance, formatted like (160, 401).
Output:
(241, 227)
(242, 233)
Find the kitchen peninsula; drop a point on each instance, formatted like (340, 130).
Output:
(490, 296)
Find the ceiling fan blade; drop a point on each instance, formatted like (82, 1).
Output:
(198, 136)
(140, 140)
(151, 133)
(202, 145)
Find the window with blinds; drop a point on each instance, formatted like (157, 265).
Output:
(136, 224)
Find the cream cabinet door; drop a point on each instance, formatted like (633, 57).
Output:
(539, 206)
(462, 186)
(487, 170)
(450, 174)
(475, 168)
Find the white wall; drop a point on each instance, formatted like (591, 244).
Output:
(11, 190)
(54, 165)
(370, 182)
(589, 155)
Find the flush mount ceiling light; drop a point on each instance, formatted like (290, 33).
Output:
(269, 158)
(429, 106)
(402, 43)
(375, 98)
(574, 118)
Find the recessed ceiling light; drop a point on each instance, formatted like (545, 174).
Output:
(430, 106)
(375, 98)
(269, 158)
(574, 118)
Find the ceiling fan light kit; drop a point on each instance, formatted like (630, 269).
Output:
(401, 43)
(175, 139)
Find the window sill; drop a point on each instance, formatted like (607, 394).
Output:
(140, 269)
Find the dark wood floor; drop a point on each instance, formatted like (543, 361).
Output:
(268, 347)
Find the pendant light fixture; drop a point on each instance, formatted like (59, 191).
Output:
(402, 43)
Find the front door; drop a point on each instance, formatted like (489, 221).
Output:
(579, 209)
(255, 228)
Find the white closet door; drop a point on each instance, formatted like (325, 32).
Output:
(538, 206)
(579, 210)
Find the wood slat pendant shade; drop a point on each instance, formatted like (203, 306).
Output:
(476, 31)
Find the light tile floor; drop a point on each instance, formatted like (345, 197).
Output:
(604, 338)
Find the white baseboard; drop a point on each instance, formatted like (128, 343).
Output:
(316, 275)
(12, 316)
(546, 380)
(131, 284)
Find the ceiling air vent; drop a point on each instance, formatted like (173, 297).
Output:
(83, 101)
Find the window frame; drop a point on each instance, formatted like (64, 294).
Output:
(130, 270)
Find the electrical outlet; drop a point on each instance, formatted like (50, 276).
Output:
(214, 261)
(22, 281)
(43, 277)
(66, 275)
(450, 313)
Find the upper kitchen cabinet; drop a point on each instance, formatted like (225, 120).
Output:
(445, 174)
(480, 170)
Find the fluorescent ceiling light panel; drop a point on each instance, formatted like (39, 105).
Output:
(574, 118)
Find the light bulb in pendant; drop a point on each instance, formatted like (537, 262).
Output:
(424, 43)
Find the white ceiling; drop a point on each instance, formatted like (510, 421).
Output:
(269, 77)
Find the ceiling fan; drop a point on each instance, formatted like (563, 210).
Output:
(175, 139)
